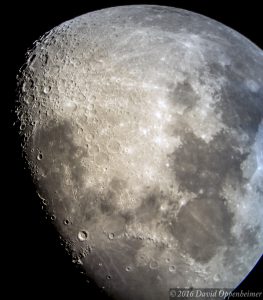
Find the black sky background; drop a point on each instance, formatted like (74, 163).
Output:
(36, 265)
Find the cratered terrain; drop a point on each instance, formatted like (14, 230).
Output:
(142, 127)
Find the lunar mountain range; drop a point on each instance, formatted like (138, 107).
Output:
(142, 127)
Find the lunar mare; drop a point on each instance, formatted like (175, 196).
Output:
(142, 127)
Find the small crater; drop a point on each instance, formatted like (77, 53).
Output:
(172, 268)
(47, 89)
(111, 236)
(66, 222)
(128, 268)
(40, 156)
(22, 126)
(83, 235)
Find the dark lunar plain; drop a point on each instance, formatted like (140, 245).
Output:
(36, 264)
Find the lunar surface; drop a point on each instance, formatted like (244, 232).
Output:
(142, 127)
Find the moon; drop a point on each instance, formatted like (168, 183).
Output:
(142, 127)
